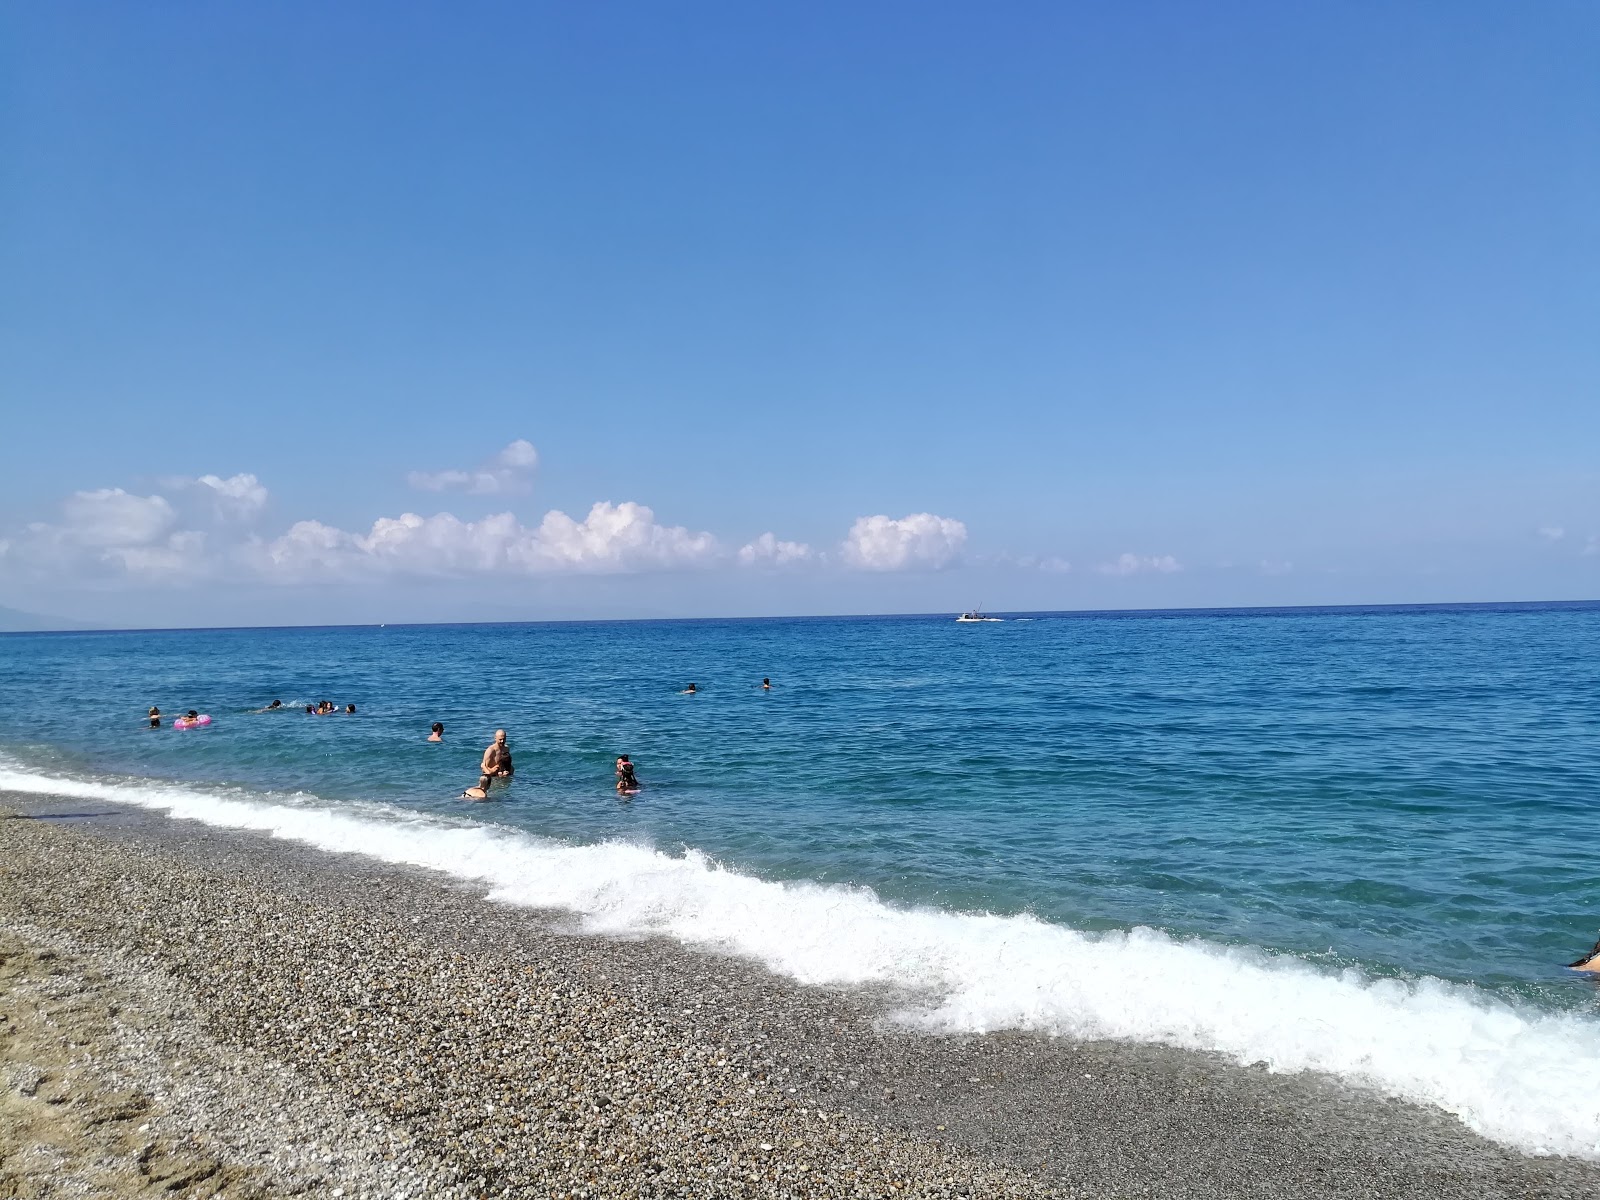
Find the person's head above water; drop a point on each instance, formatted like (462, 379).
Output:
(438, 727)
(192, 714)
(349, 708)
(154, 711)
(500, 737)
(309, 709)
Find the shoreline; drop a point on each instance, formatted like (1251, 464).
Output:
(643, 1068)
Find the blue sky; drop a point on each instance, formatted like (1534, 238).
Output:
(1043, 306)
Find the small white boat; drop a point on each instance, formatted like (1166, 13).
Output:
(975, 615)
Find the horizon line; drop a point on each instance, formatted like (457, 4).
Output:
(1246, 609)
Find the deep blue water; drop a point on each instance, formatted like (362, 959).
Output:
(1414, 791)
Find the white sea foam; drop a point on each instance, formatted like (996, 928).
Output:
(1514, 1074)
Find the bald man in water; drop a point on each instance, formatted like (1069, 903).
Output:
(497, 758)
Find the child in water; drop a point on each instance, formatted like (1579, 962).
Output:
(155, 717)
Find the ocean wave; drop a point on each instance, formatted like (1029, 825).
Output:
(1520, 1076)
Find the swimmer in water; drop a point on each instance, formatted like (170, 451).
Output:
(438, 733)
(627, 781)
(1589, 962)
(191, 714)
(155, 717)
(478, 792)
(766, 684)
(689, 691)
(497, 758)
(349, 709)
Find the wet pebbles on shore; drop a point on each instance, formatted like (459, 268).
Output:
(389, 1033)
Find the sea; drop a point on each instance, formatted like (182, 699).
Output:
(1361, 841)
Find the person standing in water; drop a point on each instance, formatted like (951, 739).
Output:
(155, 717)
(496, 764)
(627, 781)
(497, 758)
(438, 732)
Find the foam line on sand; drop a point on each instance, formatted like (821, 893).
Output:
(514, 1055)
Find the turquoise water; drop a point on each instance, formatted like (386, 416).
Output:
(1415, 792)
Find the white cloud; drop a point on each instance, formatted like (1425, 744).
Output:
(108, 532)
(178, 555)
(620, 537)
(1135, 564)
(920, 540)
(511, 470)
(1054, 565)
(1270, 566)
(112, 517)
(239, 496)
(768, 551)
(1552, 533)
(612, 538)
(112, 532)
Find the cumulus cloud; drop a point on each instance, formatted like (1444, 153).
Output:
(620, 537)
(768, 551)
(919, 541)
(238, 496)
(511, 470)
(1552, 533)
(107, 532)
(177, 555)
(111, 532)
(1136, 564)
(612, 538)
(111, 517)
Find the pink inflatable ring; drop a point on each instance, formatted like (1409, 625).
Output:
(186, 723)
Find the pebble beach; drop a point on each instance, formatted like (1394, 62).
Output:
(188, 1011)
